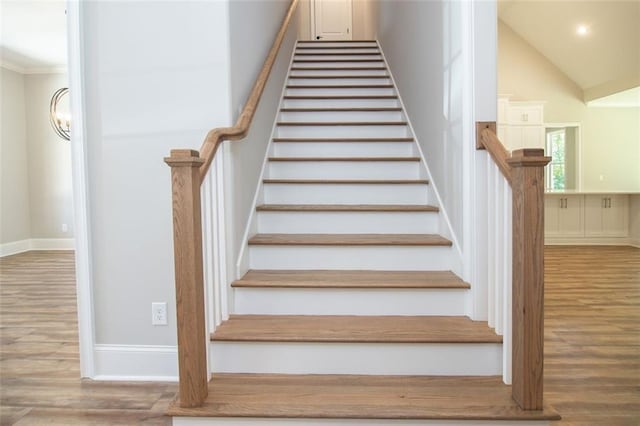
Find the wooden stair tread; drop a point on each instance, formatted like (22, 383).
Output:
(343, 139)
(354, 329)
(341, 123)
(347, 159)
(349, 240)
(363, 109)
(339, 86)
(349, 181)
(455, 398)
(347, 208)
(350, 279)
(340, 97)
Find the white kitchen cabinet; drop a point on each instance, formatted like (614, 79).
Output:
(606, 215)
(518, 137)
(563, 216)
(521, 124)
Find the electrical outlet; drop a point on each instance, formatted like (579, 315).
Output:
(159, 313)
(65, 227)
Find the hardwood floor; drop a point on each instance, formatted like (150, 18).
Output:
(592, 334)
(592, 344)
(39, 363)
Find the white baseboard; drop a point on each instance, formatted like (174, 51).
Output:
(634, 242)
(52, 244)
(22, 246)
(15, 247)
(588, 241)
(148, 363)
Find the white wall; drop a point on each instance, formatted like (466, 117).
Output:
(610, 137)
(156, 77)
(422, 43)
(253, 27)
(15, 213)
(51, 197)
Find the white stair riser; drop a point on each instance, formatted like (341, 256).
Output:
(231, 421)
(348, 222)
(341, 116)
(340, 103)
(437, 359)
(329, 51)
(343, 169)
(345, 149)
(316, 57)
(399, 131)
(345, 194)
(348, 64)
(328, 71)
(377, 258)
(328, 44)
(332, 81)
(283, 301)
(371, 91)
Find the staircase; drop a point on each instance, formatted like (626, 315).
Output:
(349, 312)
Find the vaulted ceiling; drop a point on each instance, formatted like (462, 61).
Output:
(604, 60)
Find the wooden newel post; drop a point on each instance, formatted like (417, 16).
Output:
(187, 246)
(527, 183)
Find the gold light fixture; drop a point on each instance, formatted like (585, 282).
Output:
(60, 121)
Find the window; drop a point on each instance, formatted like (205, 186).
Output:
(557, 148)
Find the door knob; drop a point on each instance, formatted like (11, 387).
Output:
(318, 37)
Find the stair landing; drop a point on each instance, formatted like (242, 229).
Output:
(274, 396)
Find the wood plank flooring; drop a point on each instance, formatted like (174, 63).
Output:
(362, 397)
(39, 364)
(592, 345)
(592, 334)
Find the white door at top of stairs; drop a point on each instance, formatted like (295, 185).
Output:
(332, 20)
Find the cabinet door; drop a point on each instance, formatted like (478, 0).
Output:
(615, 216)
(525, 113)
(533, 137)
(593, 211)
(607, 215)
(552, 205)
(570, 217)
(513, 138)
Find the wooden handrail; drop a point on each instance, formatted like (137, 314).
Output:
(524, 170)
(239, 131)
(486, 138)
(188, 171)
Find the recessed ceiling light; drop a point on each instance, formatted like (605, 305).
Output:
(582, 30)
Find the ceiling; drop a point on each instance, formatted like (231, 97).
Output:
(603, 62)
(34, 35)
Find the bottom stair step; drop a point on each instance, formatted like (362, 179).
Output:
(269, 399)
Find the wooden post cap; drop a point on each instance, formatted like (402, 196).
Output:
(184, 158)
(528, 157)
